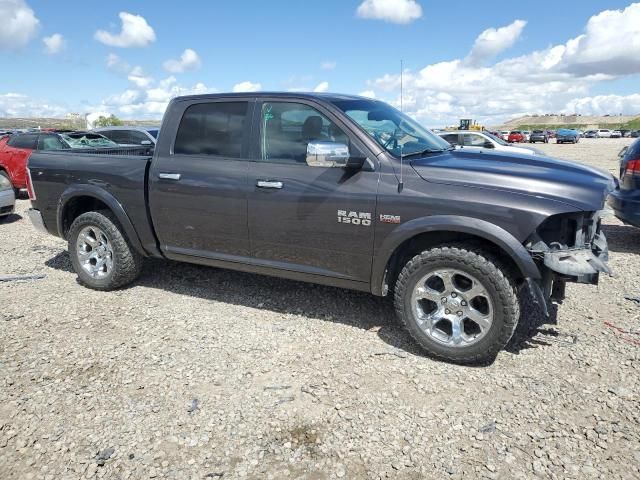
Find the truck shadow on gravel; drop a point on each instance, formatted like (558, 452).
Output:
(356, 309)
(622, 238)
(12, 218)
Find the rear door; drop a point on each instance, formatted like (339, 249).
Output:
(306, 216)
(198, 183)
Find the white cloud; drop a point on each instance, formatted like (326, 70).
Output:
(19, 105)
(394, 11)
(368, 93)
(54, 44)
(135, 32)
(606, 105)
(247, 87)
(322, 87)
(18, 24)
(189, 60)
(114, 62)
(542, 81)
(328, 65)
(139, 78)
(150, 102)
(493, 41)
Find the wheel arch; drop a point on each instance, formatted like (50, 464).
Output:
(420, 234)
(77, 200)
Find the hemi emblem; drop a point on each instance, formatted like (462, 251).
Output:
(389, 218)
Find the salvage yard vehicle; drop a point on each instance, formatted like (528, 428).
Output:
(566, 135)
(15, 150)
(625, 200)
(7, 197)
(603, 133)
(485, 140)
(616, 134)
(516, 136)
(130, 135)
(539, 136)
(338, 190)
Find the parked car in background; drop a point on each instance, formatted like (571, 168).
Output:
(130, 135)
(539, 136)
(625, 200)
(551, 133)
(516, 136)
(566, 135)
(591, 134)
(616, 134)
(635, 134)
(625, 132)
(470, 138)
(504, 135)
(16, 149)
(7, 196)
(580, 133)
(603, 133)
(527, 134)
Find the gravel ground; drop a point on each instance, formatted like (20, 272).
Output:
(196, 372)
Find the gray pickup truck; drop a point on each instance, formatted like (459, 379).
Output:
(338, 190)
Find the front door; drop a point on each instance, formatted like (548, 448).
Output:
(198, 185)
(305, 216)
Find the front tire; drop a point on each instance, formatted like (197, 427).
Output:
(100, 253)
(458, 304)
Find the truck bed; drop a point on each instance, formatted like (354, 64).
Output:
(58, 175)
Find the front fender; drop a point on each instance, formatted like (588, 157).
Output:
(451, 223)
(107, 198)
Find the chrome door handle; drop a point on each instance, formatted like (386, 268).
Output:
(169, 176)
(269, 184)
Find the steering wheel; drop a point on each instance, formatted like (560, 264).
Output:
(385, 143)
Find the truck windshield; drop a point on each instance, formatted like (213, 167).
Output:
(396, 132)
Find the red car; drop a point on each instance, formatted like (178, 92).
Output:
(516, 136)
(14, 153)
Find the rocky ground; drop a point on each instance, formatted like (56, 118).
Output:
(202, 373)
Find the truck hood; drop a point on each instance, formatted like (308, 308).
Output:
(580, 186)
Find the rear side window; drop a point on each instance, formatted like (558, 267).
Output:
(452, 138)
(137, 138)
(23, 141)
(212, 129)
(118, 136)
(471, 140)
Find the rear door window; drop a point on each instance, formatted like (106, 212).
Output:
(216, 129)
(50, 142)
(473, 140)
(23, 141)
(452, 138)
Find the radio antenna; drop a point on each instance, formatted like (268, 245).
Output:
(401, 183)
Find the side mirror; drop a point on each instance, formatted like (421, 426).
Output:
(489, 145)
(331, 154)
(146, 142)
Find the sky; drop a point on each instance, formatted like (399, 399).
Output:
(489, 60)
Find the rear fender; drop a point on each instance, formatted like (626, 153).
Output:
(451, 223)
(108, 199)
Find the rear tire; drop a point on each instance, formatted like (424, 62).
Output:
(100, 253)
(443, 327)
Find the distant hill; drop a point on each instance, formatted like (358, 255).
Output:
(576, 121)
(65, 122)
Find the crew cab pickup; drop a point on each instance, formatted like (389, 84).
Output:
(338, 190)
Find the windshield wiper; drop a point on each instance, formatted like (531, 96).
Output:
(427, 151)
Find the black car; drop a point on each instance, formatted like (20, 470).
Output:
(539, 136)
(339, 190)
(635, 134)
(625, 200)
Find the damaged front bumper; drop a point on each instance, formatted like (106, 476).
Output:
(568, 248)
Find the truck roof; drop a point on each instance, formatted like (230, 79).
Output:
(327, 97)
